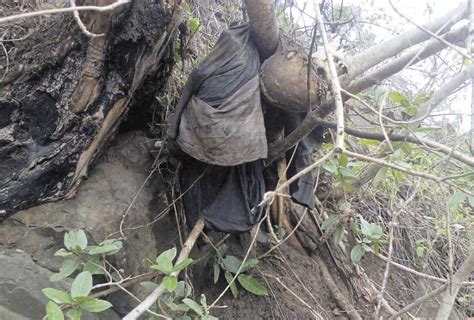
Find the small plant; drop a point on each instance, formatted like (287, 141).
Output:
(231, 265)
(87, 259)
(178, 299)
(341, 170)
(371, 234)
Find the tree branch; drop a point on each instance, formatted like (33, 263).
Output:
(376, 54)
(63, 10)
(449, 295)
(264, 26)
(403, 138)
(433, 46)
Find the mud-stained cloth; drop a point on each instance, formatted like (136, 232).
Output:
(219, 124)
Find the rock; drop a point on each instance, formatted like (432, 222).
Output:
(119, 179)
(21, 281)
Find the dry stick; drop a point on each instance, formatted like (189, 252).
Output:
(381, 122)
(417, 273)
(433, 35)
(336, 293)
(155, 295)
(109, 7)
(449, 295)
(387, 266)
(335, 85)
(464, 158)
(392, 47)
(450, 241)
(419, 301)
(81, 24)
(402, 169)
(311, 309)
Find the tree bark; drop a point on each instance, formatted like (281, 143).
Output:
(64, 95)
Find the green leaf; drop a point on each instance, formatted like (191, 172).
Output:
(194, 24)
(183, 264)
(222, 249)
(380, 175)
(252, 285)
(53, 311)
(369, 142)
(148, 285)
(217, 272)
(337, 235)
(164, 262)
(248, 265)
(343, 160)
(93, 266)
(63, 253)
(233, 286)
(209, 317)
(82, 285)
(329, 222)
(182, 289)
(75, 239)
(364, 226)
(395, 96)
(420, 251)
(347, 186)
(357, 252)
(376, 247)
(231, 264)
(347, 173)
(57, 296)
(67, 268)
(194, 306)
(330, 167)
(456, 199)
(185, 317)
(107, 249)
(74, 314)
(170, 283)
(177, 307)
(95, 305)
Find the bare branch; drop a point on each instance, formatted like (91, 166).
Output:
(335, 86)
(394, 46)
(404, 138)
(81, 24)
(309, 123)
(264, 26)
(448, 297)
(63, 10)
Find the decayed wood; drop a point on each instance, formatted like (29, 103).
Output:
(65, 95)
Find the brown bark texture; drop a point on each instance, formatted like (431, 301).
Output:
(64, 95)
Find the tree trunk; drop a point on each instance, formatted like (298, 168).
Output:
(63, 95)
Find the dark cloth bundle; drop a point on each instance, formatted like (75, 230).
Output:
(219, 125)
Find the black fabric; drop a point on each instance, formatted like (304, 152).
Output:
(302, 190)
(226, 196)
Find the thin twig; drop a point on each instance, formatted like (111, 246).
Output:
(81, 24)
(64, 10)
